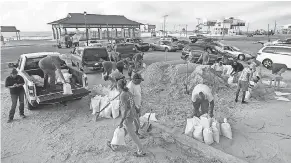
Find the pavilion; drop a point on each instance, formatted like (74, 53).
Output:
(11, 29)
(96, 21)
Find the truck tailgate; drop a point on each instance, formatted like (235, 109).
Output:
(60, 97)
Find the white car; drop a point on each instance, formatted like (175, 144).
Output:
(235, 52)
(275, 54)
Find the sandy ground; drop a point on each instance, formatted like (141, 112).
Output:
(69, 134)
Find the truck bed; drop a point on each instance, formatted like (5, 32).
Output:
(59, 88)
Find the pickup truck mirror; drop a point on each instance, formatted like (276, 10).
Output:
(12, 65)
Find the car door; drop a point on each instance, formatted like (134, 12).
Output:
(284, 55)
(156, 45)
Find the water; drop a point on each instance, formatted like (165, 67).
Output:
(46, 35)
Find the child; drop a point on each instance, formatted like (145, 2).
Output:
(243, 83)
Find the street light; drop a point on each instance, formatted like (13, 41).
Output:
(85, 13)
(165, 16)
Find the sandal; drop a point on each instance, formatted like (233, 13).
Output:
(110, 146)
(139, 154)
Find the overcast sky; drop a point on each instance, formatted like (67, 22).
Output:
(34, 15)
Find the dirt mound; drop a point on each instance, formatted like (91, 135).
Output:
(263, 92)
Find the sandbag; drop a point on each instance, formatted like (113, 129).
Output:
(208, 136)
(38, 80)
(198, 133)
(106, 113)
(248, 95)
(226, 129)
(95, 105)
(115, 108)
(217, 125)
(67, 89)
(230, 80)
(118, 137)
(205, 121)
(67, 77)
(215, 133)
(112, 94)
(191, 123)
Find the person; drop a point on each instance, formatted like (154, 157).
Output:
(135, 90)
(243, 83)
(236, 69)
(108, 67)
(120, 66)
(255, 64)
(218, 67)
(137, 59)
(76, 40)
(130, 66)
(202, 97)
(114, 77)
(49, 65)
(128, 113)
(15, 83)
(204, 57)
(277, 70)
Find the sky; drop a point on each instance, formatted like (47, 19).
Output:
(34, 15)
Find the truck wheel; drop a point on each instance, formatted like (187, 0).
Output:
(241, 57)
(30, 106)
(267, 63)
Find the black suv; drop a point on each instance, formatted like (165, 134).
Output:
(139, 44)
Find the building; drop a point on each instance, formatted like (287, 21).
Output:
(230, 26)
(285, 29)
(148, 28)
(96, 25)
(11, 29)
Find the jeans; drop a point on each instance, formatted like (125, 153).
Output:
(51, 76)
(129, 126)
(14, 98)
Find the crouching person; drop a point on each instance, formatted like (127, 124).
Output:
(277, 70)
(15, 83)
(202, 97)
(129, 115)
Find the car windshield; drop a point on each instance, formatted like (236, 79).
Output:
(235, 48)
(95, 54)
(137, 40)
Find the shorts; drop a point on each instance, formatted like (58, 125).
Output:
(244, 85)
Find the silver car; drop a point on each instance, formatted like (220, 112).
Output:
(164, 46)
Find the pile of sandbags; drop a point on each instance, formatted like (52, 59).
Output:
(99, 102)
(207, 130)
(66, 75)
(39, 81)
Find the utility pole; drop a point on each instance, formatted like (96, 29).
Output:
(275, 27)
(165, 16)
(248, 28)
(186, 30)
(268, 34)
(223, 30)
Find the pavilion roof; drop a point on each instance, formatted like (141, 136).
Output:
(9, 29)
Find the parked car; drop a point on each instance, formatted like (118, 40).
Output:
(139, 44)
(250, 35)
(89, 57)
(197, 49)
(235, 52)
(35, 94)
(164, 46)
(279, 42)
(275, 54)
(181, 44)
(126, 50)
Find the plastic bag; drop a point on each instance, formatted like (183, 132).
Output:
(208, 136)
(67, 89)
(205, 121)
(226, 129)
(95, 105)
(198, 133)
(230, 80)
(118, 137)
(248, 95)
(67, 77)
(217, 125)
(215, 133)
(191, 122)
(115, 108)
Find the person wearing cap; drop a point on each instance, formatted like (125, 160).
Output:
(15, 83)
(277, 70)
(128, 113)
(204, 57)
(135, 90)
(49, 65)
(243, 83)
(202, 97)
(137, 59)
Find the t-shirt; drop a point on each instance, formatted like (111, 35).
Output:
(137, 57)
(276, 67)
(116, 75)
(237, 68)
(204, 89)
(50, 63)
(108, 66)
(205, 57)
(135, 90)
(127, 99)
(217, 67)
(120, 64)
(10, 81)
(244, 74)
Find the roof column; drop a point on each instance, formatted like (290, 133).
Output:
(116, 33)
(133, 32)
(129, 33)
(54, 32)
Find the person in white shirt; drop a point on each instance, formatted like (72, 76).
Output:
(218, 67)
(202, 97)
(135, 90)
(243, 83)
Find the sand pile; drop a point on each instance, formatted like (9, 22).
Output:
(263, 92)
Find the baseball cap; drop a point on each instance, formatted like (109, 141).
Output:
(137, 76)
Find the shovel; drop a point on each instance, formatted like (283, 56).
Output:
(147, 126)
(98, 113)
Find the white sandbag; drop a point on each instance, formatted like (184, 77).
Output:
(38, 80)
(64, 70)
(208, 136)
(248, 95)
(198, 133)
(112, 94)
(226, 129)
(230, 80)
(189, 127)
(118, 137)
(115, 108)
(152, 117)
(95, 105)
(106, 113)
(217, 125)
(67, 89)
(144, 65)
(67, 77)
(216, 134)
(205, 121)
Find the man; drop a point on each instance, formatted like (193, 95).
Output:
(49, 65)
(120, 65)
(135, 90)
(243, 83)
(236, 69)
(202, 97)
(218, 67)
(76, 40)
(137, 59)
(108, 67)
(114, 77)
(15, 83)
(130, 66)
(277, 70)
(204, 57)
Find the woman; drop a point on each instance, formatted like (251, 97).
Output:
(129, 115)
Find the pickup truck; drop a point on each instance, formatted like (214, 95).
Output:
(139, 44)
(27, 67)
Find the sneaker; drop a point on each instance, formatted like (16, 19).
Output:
(10, 120)
(244, 102)
(22, 116)
(236, 100)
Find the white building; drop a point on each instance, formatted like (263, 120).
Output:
(285, 29)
